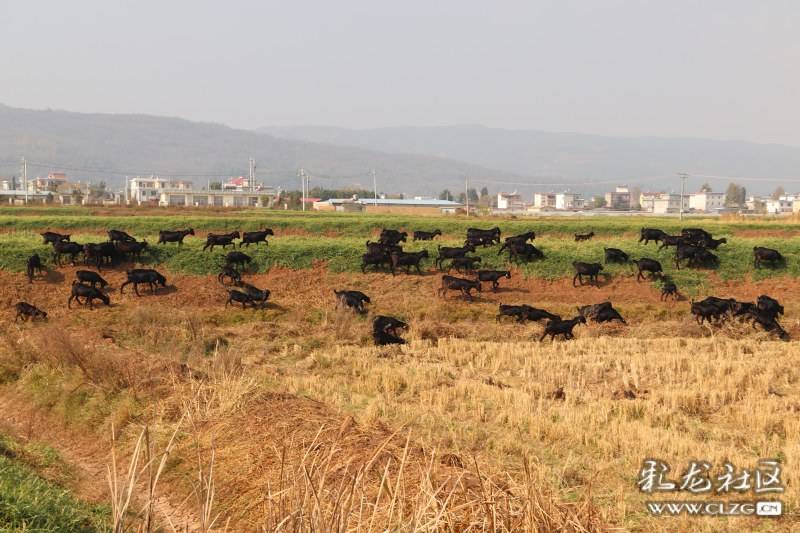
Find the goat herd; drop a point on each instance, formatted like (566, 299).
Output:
(693, 245)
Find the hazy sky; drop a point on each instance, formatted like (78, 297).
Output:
(723, 69)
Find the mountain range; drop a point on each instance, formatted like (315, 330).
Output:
(410, 160)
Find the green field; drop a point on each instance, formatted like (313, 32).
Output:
(29, 502)
(338, 240)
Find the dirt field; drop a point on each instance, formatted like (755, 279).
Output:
(298, 384)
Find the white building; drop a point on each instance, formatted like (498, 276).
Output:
(544, 200)
(620, 198)
(569, 200)
(513, 201)
(148, 190)
(784, 204)
(707, 201)
(669, 203)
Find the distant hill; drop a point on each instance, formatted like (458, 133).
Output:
(108, 146)
(572, 157)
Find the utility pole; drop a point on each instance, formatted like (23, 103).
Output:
(683, 176)
(303, 187)
(375, 187)
(466, 192)
(25, 178)
(252, 175)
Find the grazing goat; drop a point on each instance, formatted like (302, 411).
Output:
(561, 327)
(27, 311)
(602, 312)
(34, 265)
(517, 239)
(464, 264)
(669, 289)
(376, 259)
(525, 312)
(90, 278)
(138, 276)
(694, 256)
(228, 271)
(584, 236)
(255, 237)
(132, 249)
(99, 254)
(477, 240)
(448, 252)
(712, 244)
(615, 255)
(651, 234)
(72, 249)
(407, 259)
(695, 235)
(355, 300)
(426, 235)
(224, 240)
(525, 251)
(491, 235)
(586, 269)
(761, 254)
(770, 324)
(671, 240)
(379, 247)
(648, 265)
(115, 235)
(385, 330)
(235, 296)
(240, 259)
(79, 290)
(458, 284)
(165, 236)
(258, 296)
(769, 305)
(706, 311)
(493, 276)
(51, 237)
(392, 237)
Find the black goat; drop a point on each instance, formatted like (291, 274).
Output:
(376, 259)
(99, 254)
(240, 297)
(33, 266)
(493, 276)
(525, 312)
(426, 235)
(255, 237)
(695, 256)
(448, 252)
(79, 290)
(491, 235)
(27, 311)
(669, 289)
(761, 255)
(615, 255)
(648, 265)
(712, 244)
(525, 251)
(407, 259)
(603, 312)
(561, 327)
(392, 237)
(355, 300)
(379, 247)
(517, 239)
(463, 264)
(51, 237)
(584, 236)
(769, 305)
(72, 249)
(706, 311)
(132, 249)
(139, 276)
(240, 259)
(672, 240)
(224, 240)
(695, 235)
(592, 270)
(90, 278)
(258, 296)
(385, 330)
(651, 234)
(770, 324)
(458, 284)
(174, 236)
(228, 271)
(115, 235)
